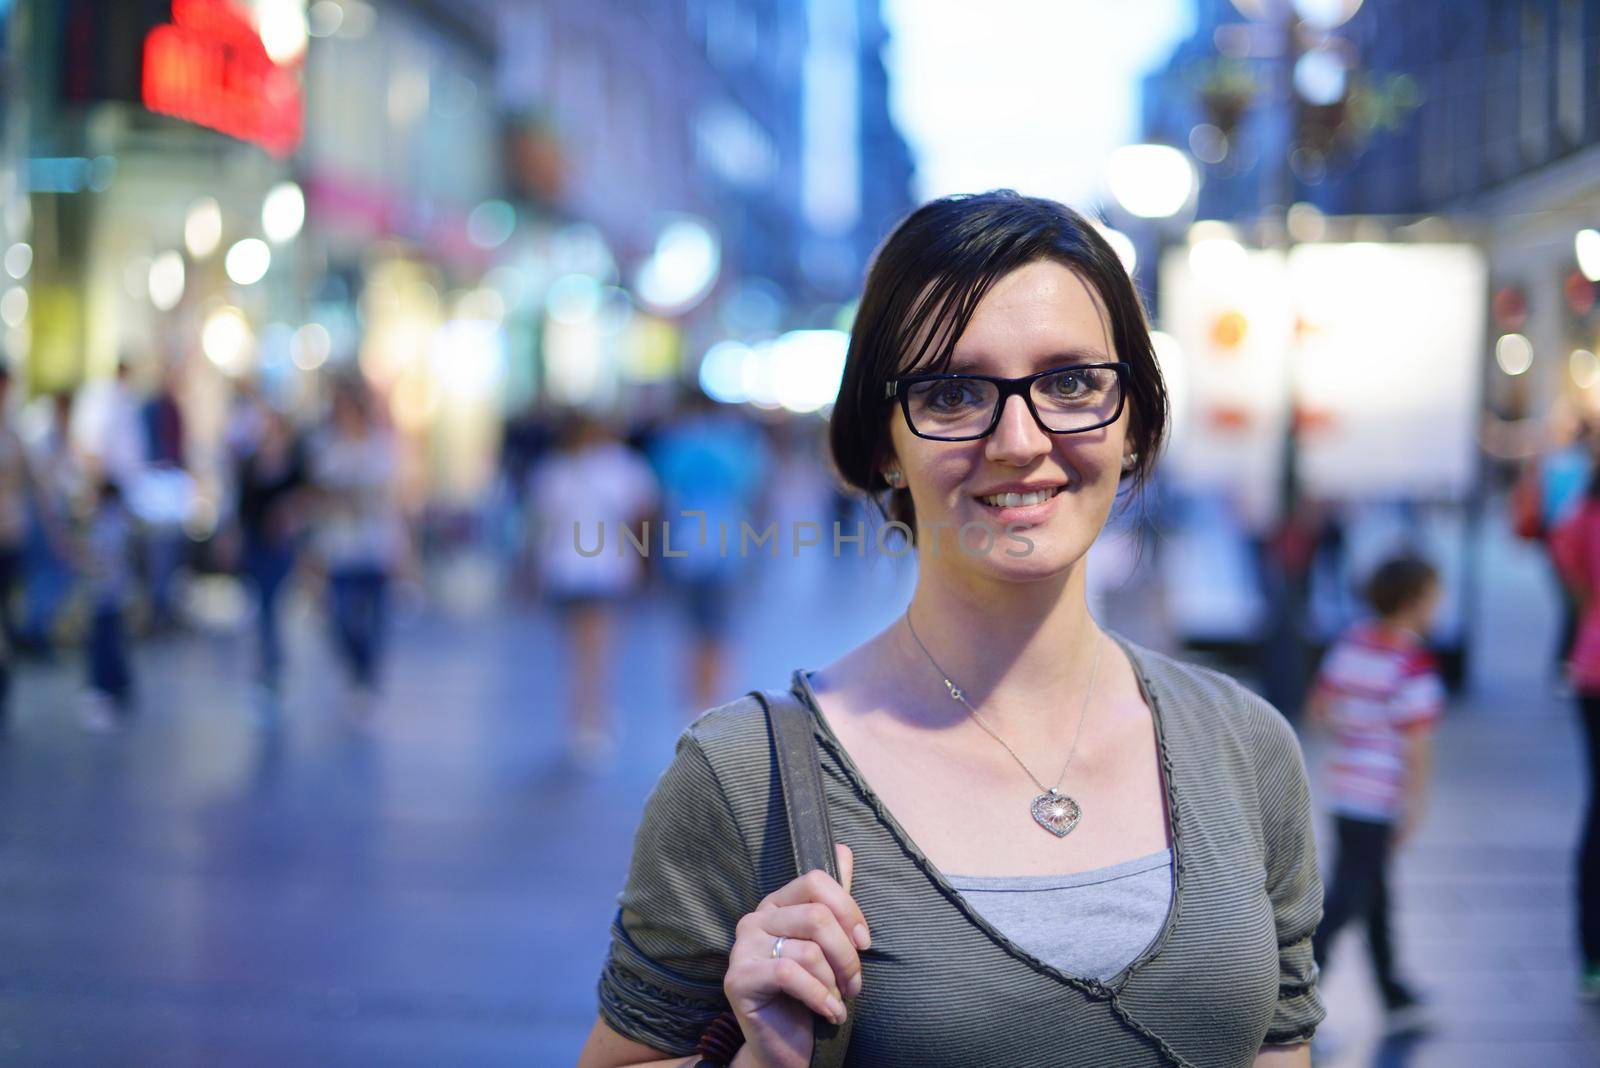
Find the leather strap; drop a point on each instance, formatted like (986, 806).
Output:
(800, 776)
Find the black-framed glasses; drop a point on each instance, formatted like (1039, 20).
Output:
(959, 407)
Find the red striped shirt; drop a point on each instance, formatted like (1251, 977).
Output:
(1380, 685)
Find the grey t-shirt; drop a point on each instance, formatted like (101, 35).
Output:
(1091, 923)
(1230, 971)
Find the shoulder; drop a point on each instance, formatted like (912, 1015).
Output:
(1208, 710)
(734, 741)
(734, 746)
(734, 725)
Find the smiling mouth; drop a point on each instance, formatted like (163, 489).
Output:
(1020, 500)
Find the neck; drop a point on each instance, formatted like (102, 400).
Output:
(1022, 653)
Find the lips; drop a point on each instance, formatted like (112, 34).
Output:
(1008, 507)
(1026, 499)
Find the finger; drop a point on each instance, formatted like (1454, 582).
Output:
(810, 956)
(753, 980)
(816, 923)
(800, 984)
(846, 860)
(818, 886)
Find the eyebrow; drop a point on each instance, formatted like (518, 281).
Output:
(964, 364)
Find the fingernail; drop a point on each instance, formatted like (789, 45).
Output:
(836, 1009)
(855, 984)
(863, 939)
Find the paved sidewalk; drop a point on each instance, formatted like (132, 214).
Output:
(435, 887)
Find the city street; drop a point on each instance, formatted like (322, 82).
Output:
(322, 322)
(434, 886)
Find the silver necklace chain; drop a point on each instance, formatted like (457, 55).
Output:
(957, 694)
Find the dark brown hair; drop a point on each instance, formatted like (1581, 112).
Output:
(1398, 582)
(925, 282)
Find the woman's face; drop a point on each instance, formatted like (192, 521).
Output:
(1039, 316)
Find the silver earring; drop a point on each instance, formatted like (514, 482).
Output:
(893, 476)
(1129, 460)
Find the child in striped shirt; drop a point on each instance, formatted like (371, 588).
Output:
(1379, 694)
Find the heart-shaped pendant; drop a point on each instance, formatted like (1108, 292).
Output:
(1056, 813)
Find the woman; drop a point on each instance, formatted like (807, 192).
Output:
(271, 481)
(355, 468)
(1057, 847)
(1575, 548)
(592, 486)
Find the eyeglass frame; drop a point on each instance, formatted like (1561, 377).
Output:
(895, 388)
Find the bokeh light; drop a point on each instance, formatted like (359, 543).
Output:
(202, 227)
(1587, 248)
(682, 269)
(491, 224)
(19, 259)
(247, 261)
(166, 280)
(1514, 353)
(283, 212)
(226, 340)
(1151, 181)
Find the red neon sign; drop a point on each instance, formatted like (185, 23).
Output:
(208, 67)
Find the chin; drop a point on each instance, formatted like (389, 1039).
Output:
(1051, 556)
(1052, 553)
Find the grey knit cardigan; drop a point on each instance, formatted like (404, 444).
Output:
(1231, 969)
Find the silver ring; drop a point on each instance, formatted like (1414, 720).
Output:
(777, 947)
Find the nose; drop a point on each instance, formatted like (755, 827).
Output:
(1017, 439)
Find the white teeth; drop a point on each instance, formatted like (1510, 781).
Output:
(1014, 500)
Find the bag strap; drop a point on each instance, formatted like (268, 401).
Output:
(800, 778)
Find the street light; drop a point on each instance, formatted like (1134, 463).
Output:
(1151, 181)
(1586, 246)
(1323, 14)
(283, 212)
(683, 267)
(1327, 14)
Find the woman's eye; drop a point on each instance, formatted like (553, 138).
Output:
(1075, 386)
(952, 396)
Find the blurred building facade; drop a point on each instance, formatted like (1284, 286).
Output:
(627, 114)
(1482, 118)
(467, 199)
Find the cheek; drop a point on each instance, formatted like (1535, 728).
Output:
(1094, 462)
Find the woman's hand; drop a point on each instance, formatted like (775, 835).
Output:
(773, 998)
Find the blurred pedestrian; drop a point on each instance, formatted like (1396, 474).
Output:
(271, 477)
(360, 536)
(528, 436)
(1549, 489)
(1287, 558)
(162, 422)
(1575, 547)
(712, 460)
(1379, 694)
(581, 496)
(107, 564)
(60, 479)
(108, 426)
(16, 503)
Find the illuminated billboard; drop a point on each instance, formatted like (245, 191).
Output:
(201, 61)
(1380, 347)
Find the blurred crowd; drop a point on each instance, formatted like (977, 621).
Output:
(102, 518)
(107, 520)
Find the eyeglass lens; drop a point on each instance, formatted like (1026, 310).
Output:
(1072, 399)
